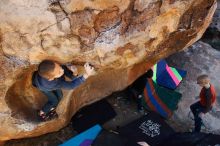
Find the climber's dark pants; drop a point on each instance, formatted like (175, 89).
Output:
(53, 99)
(196, 109)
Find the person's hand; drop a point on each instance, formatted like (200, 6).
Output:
(142, 143)
(74, 69)
(201, 115)
(89, 70)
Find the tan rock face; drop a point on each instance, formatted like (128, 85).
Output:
(121, 38)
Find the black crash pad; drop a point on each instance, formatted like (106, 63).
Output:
(96, 113)
(150, 128)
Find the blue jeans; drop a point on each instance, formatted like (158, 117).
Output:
(196, 109)
(53, 99)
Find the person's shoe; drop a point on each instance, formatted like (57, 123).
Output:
(52, 114)
(42, 115)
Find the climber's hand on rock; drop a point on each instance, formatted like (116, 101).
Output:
(89, 70)
(74, 69)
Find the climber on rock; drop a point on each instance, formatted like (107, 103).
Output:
(207, 99)
(50, 78)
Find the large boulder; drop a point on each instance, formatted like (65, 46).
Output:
(121, 38)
